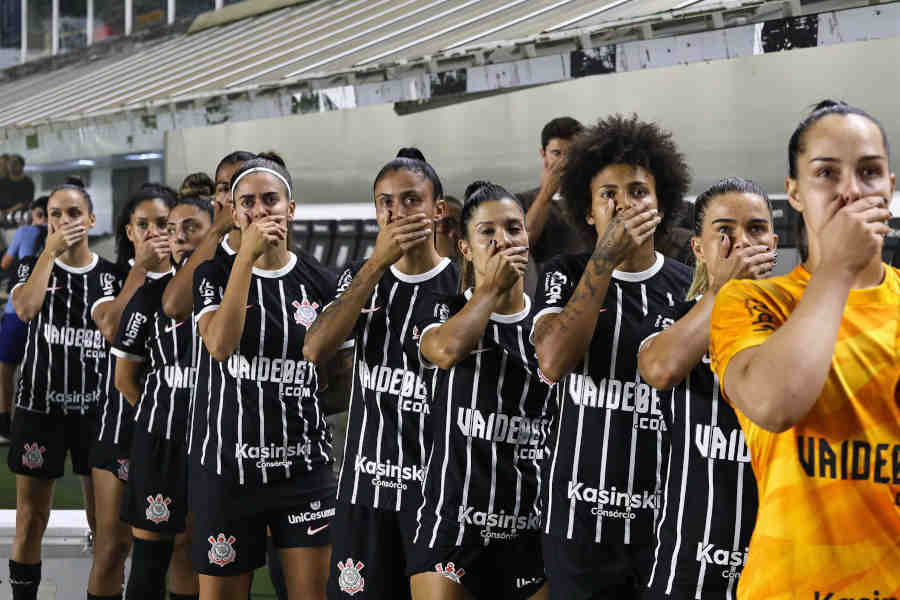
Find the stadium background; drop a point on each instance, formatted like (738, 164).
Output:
(130, 91)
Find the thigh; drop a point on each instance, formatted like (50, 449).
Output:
(112, 458)
(432, 586)
(369, 554)
(34, 494)
(37, 445)
(108, 493)
(305, 571)
(234, 587)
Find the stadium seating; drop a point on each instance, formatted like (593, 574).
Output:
(335, 243)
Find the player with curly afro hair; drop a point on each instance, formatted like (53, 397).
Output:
(624, 180)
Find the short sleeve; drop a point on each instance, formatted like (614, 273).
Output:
(111, 283)
(134, 329)
(430, 312)
(743, 317)
(681, 309)
(16, 243)
(23, 271)
(209, 288)
(556, 283)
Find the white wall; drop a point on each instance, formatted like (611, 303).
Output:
(730, 117)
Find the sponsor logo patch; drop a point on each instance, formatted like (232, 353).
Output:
(350, 579)
(221, 551)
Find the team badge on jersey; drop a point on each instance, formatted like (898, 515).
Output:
(124, 465)
(23, 271)
(33, 457)
(306, 313)
(108, 284)
(221, 551)
(442, 312)
(450, 571)
(350, 580)
(315, 505)
(158, 508)
(207, 291)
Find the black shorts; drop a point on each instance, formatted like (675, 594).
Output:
(590, 571)
(156, 493)
(369, 552)
(499, 570)
(39, 443)
(115, 458)
(230, 520)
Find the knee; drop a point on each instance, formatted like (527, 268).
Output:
(32, 521)
(110, 553)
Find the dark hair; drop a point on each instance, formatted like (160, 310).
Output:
(201, 201)
(236, 157)
(78, 188)
(198, 183)
(478, 193)
(796, 145)
(624, 140)
(264, 163)
(273, 156)
(453, 200)
(39, 202)
(564, 128)
(148, 191)
(412, 159)
(19, 158)
(728, 185)
(75, 180)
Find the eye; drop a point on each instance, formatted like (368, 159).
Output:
(608, 194)
(487, 231)
(825, 172)
(870, 172)
(640, 192)
(724, 229)
(759, 229)
(247, 202)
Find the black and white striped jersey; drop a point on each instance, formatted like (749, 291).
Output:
(64, 350)
(491, 421)
(256, 416)
(606, 475)
(165, 346)
(388, 428)
(709, 507)
(225, 251)
(116, 413)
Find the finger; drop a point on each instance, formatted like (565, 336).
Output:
(413, 227)
(866, 203)
(644, 228)
(410, 237)
(759, 259)
(514, 250)
(880, 229)
(875, 214)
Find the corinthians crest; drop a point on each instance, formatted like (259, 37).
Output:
(158, 508)
(305, 313)
(450, 571)
(222, 551)
(124, 464)
(350, 580)
(33, 457)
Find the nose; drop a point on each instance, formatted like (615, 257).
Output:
(502, 239)
(850, 188)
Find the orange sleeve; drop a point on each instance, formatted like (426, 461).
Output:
(743, 316)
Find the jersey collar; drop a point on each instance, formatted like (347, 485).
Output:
(405, 278)
(276, 273)
(153, 274)
(78, 270)
(227, 247)
(641, 275)
(507, 319)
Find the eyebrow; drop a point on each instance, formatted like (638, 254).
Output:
(833, 159)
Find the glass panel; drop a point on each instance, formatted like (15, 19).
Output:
(109, 19)
(148, 13)
(227, 2)
(10, 33)
(39, 18)
(72, 24)
(190, 8)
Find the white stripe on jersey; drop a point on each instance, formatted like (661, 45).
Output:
(714, 420)
(240, 426)
(525, 388)
(612, 373)
(259, 388)
(66, 346)
(644, 298)
(493, 492)
(402, 341)
(578, 436)
(34, 367)
(175, 360)
(84, 319)
(561, 403)
(384, 357)
(684, 476)
(349, 410)
(448, 425)
(632, 452)
(440, 504)
(219, 420)
(362, 433)
(52, 291)
(284, 342)
(155, 396)
(665, 510)
(738, 510)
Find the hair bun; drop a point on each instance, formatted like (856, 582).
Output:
(75, 180)
(413, 153)
(828, 103)
(474, 187)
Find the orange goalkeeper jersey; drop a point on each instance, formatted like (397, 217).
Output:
(829, 488)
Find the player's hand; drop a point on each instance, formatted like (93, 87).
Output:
(748, 262)
(151, 251)
(398, 236)
(628, 229)
(506, 267)
(263, 233)
(64, 238)
(854, 232)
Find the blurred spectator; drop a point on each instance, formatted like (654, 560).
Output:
(4, 172)
(447, 230)
(17, 191)
(27, 241)
(197, 184)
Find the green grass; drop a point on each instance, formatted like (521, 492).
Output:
(67, 495)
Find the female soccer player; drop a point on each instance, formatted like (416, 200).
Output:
(142, 242)
(389, 429)
(710, 501)
(57, 395)
(154, 371)
(810, 362)
(261, 454)
(479, 523)
(623, 179)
